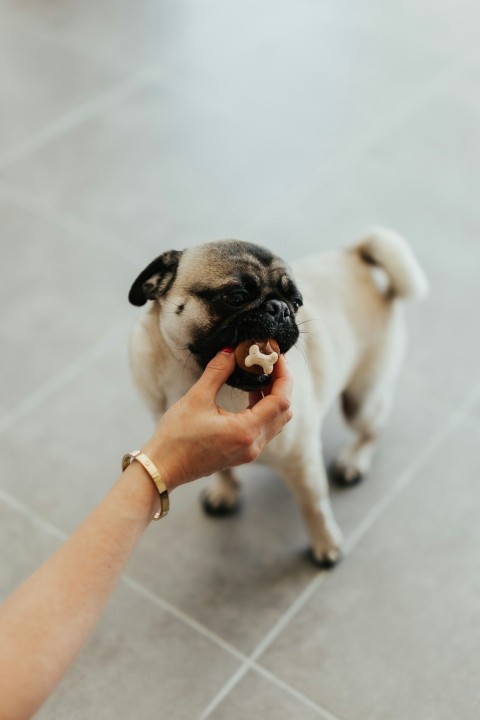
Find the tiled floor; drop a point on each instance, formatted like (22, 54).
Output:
(127, 128)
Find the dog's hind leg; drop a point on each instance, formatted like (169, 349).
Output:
(223, 496)
(367, 416)
(366, 405)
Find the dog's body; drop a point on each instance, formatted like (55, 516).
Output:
(351, 345)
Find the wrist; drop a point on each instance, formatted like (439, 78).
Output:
(142, 499)
(162, 460)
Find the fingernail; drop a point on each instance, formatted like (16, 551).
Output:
(228, 350)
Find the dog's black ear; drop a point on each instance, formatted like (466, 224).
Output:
(157, 278)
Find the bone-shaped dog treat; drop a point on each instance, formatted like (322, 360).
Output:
(266, 362)
(257, 357)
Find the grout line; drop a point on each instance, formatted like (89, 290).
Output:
(275, 680)
(294, 608)
(70, 223)
(250, 664)
(229, 685)
(79, 115)
(23, 510)
(50, 387)
(183, 617)
(402, 482)
(350, 544)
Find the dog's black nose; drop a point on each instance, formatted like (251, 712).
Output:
(278, 309)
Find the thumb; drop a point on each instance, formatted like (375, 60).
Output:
(217, 373)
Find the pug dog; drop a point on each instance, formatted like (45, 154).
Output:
(221, 293)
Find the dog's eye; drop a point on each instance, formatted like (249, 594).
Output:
(235, 299)
(297, 303)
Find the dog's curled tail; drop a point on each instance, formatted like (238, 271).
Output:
(388, 250)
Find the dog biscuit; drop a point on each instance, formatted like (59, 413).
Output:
(257, 357)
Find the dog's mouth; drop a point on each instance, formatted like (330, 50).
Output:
(286, 335)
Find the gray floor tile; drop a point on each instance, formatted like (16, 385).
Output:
(237, 576)
(59, 295)
(256, 698)
(134, 32)
(138, 659)
(140, 662)
(48, 462)
(141, 172)
(42, 80)
(263, 119)
(394, 632)
(475, 412)
(186, 32)
(445, 26)
(420, 177)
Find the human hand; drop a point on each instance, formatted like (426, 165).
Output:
(196, 438)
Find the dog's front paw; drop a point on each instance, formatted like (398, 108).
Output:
(326, 549)
(325, 558)
(220, 504)
(345, 474)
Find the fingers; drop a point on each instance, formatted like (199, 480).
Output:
(215, 375)
(272, 414)
(281, 383)
(282, 379)
(273, 411)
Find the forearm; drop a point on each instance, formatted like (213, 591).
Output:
(46, 621)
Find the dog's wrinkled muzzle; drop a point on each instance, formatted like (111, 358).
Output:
(272, 319)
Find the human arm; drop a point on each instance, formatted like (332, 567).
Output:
(46, 621)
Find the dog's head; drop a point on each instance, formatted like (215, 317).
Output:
(218, 294)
